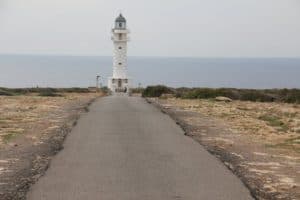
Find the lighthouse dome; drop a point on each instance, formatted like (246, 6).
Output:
(120, 18)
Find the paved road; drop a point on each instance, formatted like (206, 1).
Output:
(126, 149)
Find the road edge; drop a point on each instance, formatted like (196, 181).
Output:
(41, 156)
(224, 157)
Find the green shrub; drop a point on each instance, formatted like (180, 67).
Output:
(75, 90)
(41, 91)
(290, 96)
(275, 121)
(5, 92)
(137, 90)
(156, 91)
(105, 90)
(270, 95)
(272, 120)
(205, 93)
(256, 95)
(49, 92)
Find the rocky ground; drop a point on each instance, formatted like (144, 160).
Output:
(32, 130)
(259, 142)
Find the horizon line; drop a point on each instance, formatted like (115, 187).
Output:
(152, 56)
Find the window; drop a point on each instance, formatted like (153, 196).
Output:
(120, 63)
(120, 36)
(120, 47)
(120, 25)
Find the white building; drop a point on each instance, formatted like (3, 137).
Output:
(119, 82)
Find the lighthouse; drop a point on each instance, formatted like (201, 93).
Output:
(119, 82)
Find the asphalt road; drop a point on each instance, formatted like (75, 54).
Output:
(126, 149)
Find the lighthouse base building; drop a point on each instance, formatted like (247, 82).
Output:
(119, 82)
(118, 85)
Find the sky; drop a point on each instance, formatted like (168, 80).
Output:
(170, 28)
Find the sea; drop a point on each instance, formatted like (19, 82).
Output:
(20, 71)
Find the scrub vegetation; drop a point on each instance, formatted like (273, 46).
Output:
(157, 91)
(41, 91)
(264, 95)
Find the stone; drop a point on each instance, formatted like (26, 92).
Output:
(225, 99)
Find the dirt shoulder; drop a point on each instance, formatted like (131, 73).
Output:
(32, 130)
(259, 142)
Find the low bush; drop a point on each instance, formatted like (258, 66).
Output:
(290, 95)
(256, 95)
(75, 90)
(5, 92)
(105, 90)
(270, 95)
(137, 90)
(49, 93)
(275, 121)
(41, 91)
(267, 95)
(156, 91)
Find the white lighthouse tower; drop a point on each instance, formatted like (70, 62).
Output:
(119, 82)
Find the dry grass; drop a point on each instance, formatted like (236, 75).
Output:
(18, 113)
(276, 123)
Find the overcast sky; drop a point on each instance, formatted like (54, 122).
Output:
(197, 28)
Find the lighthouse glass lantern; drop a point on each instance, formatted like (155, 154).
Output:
(119, 82)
